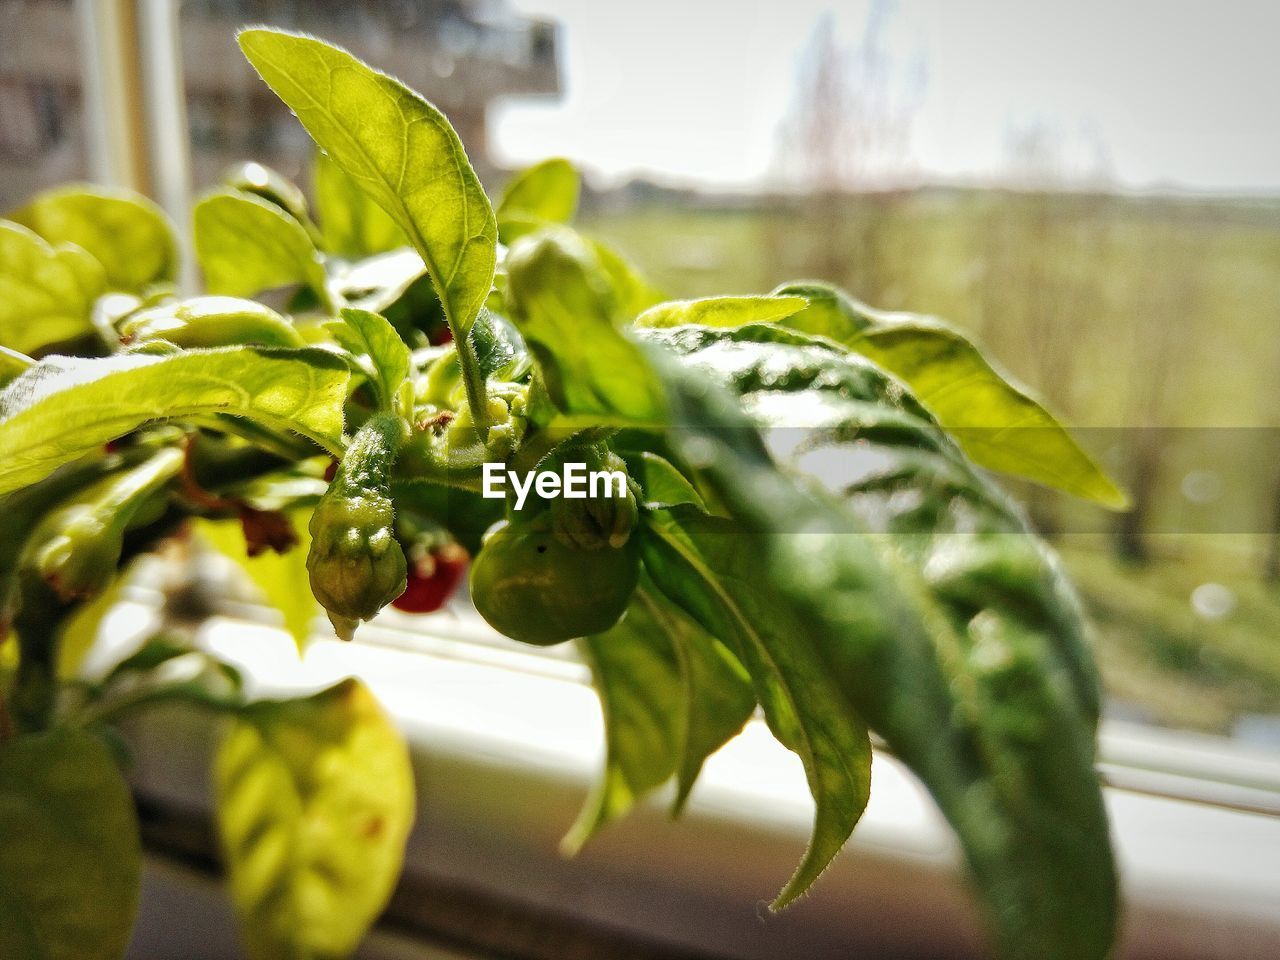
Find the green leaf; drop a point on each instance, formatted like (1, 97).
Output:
(64, 408)
(211, 322)
(661, 483)
(400, 150)
(351, 224)
(246, 245)
(378, 349)
(124, 231)
(710, 566)
(315, 801)
(632, 292)
(957, 602)
(545, 193)
(276, 575)
(46, 292)
(564, 309)
(12, 365)
(70, 860)
(997, 421)
(671, 696)
(721, 311)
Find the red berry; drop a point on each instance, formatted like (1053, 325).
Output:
(432, 580)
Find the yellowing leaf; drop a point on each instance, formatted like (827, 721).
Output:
(315, 801)
(279, 577)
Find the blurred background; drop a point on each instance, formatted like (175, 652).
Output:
(1092, 190)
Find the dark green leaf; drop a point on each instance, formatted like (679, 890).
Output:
(671, 696)
(70, 859)
(399, 149)
(315, 801)
(960, 605)
(711, 567)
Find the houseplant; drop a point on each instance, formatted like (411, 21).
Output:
(803, 525)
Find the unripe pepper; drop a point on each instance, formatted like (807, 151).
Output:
(75, 548)
(356, 566)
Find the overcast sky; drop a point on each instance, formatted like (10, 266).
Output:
(1177, 93)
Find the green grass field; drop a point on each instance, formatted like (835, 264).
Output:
(1122, 313)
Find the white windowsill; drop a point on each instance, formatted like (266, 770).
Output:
(507, 744)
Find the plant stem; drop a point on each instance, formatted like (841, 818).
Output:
(36, 683)
(473, 380)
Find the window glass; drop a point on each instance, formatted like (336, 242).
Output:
(42, 134)
(1110, 235)
(461, 55)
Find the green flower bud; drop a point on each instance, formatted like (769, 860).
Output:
(356, 566)
(601, 521)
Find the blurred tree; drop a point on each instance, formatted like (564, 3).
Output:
(845, 143)
(1040, 251)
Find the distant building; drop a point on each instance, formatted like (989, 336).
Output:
(462, 54)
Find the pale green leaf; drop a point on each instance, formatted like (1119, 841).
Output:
(246, 245)
(380, 351)
(564, 308)
(545, 193)
(124, 231)
(632, 293)
(997, 421)
(46, 292)
(211, 322)
(315, 800)
(400, 150)
(351, 224)
(63, 408)
(721, 311)
(277, 576)
(377, 282)
(70, 858)
(671, 696)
